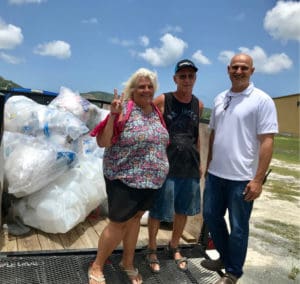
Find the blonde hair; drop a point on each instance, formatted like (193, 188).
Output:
(131, 83)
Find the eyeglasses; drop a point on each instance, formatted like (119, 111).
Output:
(227, 102)
(184, 76)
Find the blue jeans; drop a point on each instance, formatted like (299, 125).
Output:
(219, 195)
(177, 195)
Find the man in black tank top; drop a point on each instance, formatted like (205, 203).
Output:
(180, 195)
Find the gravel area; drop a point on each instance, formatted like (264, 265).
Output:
(271, 257)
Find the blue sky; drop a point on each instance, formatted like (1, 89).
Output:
(95, 45)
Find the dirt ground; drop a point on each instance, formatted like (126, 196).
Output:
(269, 258)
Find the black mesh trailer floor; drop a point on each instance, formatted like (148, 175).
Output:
(72, 267)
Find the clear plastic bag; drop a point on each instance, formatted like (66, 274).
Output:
(23, 115)
(67, 201)
(87, 146)
(32, 163)
(73, 102)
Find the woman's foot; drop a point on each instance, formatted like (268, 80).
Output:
(95, 275)
(133, 274)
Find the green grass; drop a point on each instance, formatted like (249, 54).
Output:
(287, 148)
(288, 192)
(284, 185)
(286, 171)
(294, 272)
(289, 233)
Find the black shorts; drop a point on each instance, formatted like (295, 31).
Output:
(125, 201)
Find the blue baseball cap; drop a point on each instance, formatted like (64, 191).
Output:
(185, 63)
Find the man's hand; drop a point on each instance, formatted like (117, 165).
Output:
(253, 190)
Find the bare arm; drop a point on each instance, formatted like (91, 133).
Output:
(254, 187)
(104, 139)
(210, 148)
(201, 106)
(160, 102)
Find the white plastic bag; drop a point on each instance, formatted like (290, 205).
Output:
(86, 146)
(73, 102)
(67, 201)
(24, 115)
(32, 163)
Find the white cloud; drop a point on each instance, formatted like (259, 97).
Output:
(283, 21)
(122, 42)
(144, 40)
(200, 58)
(20, 2)
(171, 29)
(263, 63)
(59, 49)
(225, 56)
(90, 21)
(172, 49)
(10, 36)
(10, 59)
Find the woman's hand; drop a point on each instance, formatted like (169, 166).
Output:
(116, 104)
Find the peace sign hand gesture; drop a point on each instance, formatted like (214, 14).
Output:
(116, 104)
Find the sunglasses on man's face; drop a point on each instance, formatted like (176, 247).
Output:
(184, 76)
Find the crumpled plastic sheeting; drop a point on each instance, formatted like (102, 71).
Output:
(64, 200)
(24, 115)
(67, 201)
(85, 146)
(32, 163)
(87, 112)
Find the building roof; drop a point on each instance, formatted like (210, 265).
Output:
(292, 95)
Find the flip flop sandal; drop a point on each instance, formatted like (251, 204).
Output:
(150, 261)
(132, 274)
(98, 279)
(181, 260)
(171, 252)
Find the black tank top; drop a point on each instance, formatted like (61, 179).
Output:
(182, 120)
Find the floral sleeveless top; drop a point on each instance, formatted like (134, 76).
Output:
(139, 157)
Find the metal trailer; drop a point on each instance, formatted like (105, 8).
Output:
(70, 266)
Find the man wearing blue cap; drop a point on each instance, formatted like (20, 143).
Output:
(180, 195)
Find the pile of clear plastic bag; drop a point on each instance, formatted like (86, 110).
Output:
(31, 163)
(80, 107)
(53, 167)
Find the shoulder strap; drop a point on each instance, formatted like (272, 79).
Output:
(128, 109)
(160, 115)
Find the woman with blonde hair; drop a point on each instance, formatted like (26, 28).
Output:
(135, 165)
